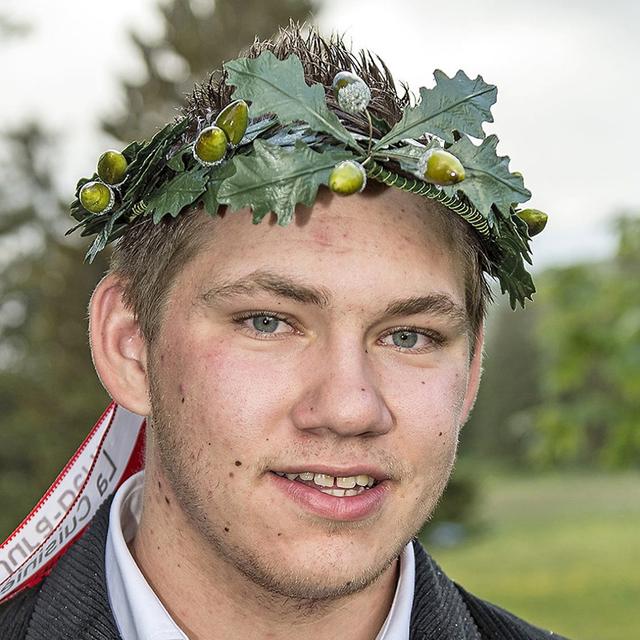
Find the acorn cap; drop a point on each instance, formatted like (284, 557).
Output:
(233, 120)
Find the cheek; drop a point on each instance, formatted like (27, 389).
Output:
(227, 396)
(427, 408)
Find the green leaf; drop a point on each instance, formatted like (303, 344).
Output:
(457, 103)
(488, 180)
(278, 86)
(178, 193)
(176, 161)
(276, 179)
(216, 178)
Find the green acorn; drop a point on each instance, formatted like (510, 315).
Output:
(536, 220)
(233, 120)
(97, 197)
(112, 166)
(347, 177)
(210, 147)
(440, 167)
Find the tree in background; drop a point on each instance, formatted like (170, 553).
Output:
(49, 394)
(562, 378)
(589, 342)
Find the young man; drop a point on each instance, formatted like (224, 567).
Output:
(305, 383)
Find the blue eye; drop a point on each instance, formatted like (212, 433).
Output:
(265, 324)
(405, 339)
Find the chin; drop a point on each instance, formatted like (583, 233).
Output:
(313, 575)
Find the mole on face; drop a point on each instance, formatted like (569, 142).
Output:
(238, 463)
(166, 499)
(226, 529)
(231, 474)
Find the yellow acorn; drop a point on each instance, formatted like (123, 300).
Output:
(233, 120)
(347, 177)
(440, 167)
(536, 220)
(112, 166)
(97, 197)
(210, 147)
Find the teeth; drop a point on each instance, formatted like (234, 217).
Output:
(353, 492)
(338, 493)
(323, 480)
(346, 483)
(327, 481)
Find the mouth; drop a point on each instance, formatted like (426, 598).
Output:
(351, 495)
(337, 486)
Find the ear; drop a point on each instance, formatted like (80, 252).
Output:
(119, 352)
(475, 373)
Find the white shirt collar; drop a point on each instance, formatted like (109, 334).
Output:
(140, 615)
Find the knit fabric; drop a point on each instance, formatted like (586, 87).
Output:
(72, 602)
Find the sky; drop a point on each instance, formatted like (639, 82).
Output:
(567, 77)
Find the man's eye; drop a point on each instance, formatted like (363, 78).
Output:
(265, 324)
(406, 339)
(411, 339)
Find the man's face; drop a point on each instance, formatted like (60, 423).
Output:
(336, 348)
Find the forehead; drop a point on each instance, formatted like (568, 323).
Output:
(371, 241)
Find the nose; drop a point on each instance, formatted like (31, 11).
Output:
(341, 394)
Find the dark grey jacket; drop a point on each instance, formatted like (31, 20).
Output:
(72, 602)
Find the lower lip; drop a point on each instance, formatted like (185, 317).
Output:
(346, 509)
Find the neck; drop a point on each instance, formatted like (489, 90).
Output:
(209, 597)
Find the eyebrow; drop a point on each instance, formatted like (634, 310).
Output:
(261, 281)
(267, 282)
(437, 304)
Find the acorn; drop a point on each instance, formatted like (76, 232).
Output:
(112, 166)
(536, 220)
(440, 167)
(351, 92)
(347, 177)
(210, 147)
(233, 120)
(97, 197)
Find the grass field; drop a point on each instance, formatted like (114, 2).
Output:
(562, 551)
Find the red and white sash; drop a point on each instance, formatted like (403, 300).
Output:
(111, 453)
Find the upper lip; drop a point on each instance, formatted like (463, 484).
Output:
(337, 472)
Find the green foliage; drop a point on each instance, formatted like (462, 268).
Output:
(489, 181)
(589, 338)
(176, 194)
(278, 86)
(454, 104)
(562, 379)
(276, 179)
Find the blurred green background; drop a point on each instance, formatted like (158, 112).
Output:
(543, 512)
